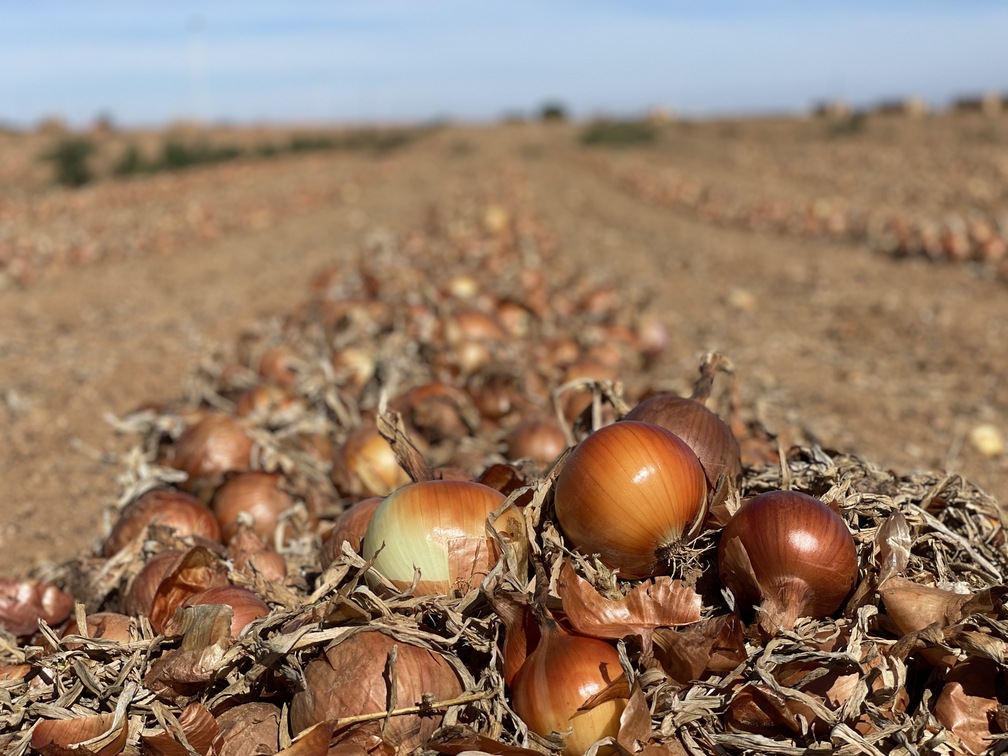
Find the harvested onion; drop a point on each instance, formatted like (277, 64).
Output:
(710, 437)
(438, 528)
(564, 673)
(176, 510)
(789, 554)
(351, 679)
(632, 493)
(254, 495)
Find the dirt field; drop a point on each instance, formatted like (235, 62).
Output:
(113, 292)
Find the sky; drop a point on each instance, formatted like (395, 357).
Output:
(380, 61)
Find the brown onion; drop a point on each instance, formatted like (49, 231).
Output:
(179, 511)
(246, 605)
(24, 602)
(562, 675)
(251, 556)
(351, 679)
(632, 493)
(350, 526)
(140, 590)
(366, 465)
(541, 441)
(106, 625)
(216, 444)
(710, 437)
(789, 554)
(438, 527)
(252, 495)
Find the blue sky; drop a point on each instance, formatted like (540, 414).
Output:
(406, 60)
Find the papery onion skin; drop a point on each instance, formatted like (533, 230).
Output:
(632, 493)
(245, 605)
(350, 679)
(423, 525)
(803, 557)
(557, 678)
(184, 514)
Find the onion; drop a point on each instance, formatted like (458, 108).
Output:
(252, 495)
(24, 602)
(438, 527)
(632, 493)
(791, 555)
(367, 466)
(710, 437)
(107, 625)
(350, 526)
(179, 511)
(139, 595)
(214, 445)
(352, 679)
(541, 441)
(245, 605)
(563, 674)
(251, 556)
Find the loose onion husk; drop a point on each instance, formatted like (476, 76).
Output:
(633, 493)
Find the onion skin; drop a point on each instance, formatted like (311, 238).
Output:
(350, 679)
(245, 605)
(440, 528)
(179, 511)
(558, 678)
(802, 556)
(710, 437)
(632, 493)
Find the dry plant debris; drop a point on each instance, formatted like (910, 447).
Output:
(419, 364)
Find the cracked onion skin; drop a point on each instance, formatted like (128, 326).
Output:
(791, 555)
(633, 493)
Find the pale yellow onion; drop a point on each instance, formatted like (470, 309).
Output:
(438, 527)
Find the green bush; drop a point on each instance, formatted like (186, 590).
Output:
(130, 163)
(618, 134)
(70, 158)
(179, 155)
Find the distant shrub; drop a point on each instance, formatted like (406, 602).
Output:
(553, 111)
(618, 134)
(177, 155)
(130, 163)
(847, 125)
(70, 158)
